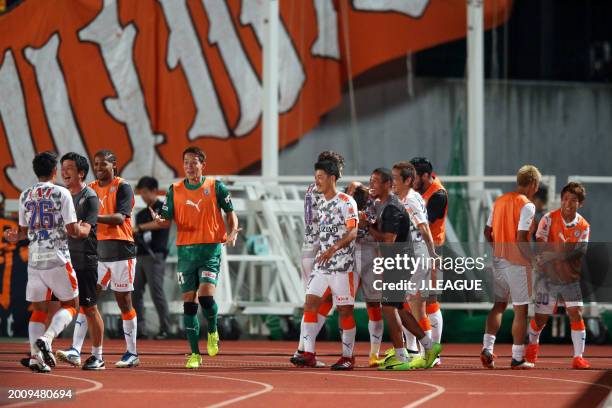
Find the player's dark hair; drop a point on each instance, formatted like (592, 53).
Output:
(421, 165)
(150, 183)
(406, 170)
(575, 188)
(81, 162)
(384, 173)
(333, 156)
(329, 167)
(361, 195)
(44, 163)
(197, 151)
(542, 193)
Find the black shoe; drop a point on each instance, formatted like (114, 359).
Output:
(25, 362)
(162, 335)
(93, 363)
(43, 345)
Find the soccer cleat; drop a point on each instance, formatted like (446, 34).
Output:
(194, 361)
(25, 362)
(42, 343)
(344, 364)
(213, 344)
(293, 359)
(432, 354)
(413, 354)
(531, 352)
(437, 362)
(521, 365)
(580, 363)
(128, 360)
(37, 365)
(94, 363)
(418, 362)
(71, 356)
(373, 361)
(390, 362)
(487, 359)
(305, 360)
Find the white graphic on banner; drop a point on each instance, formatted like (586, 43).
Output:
(412, 8)
(248, 89)
(326, 44)
(56, 102)
(184, 48)
(291, 72)
(15, 123)
(116, 45)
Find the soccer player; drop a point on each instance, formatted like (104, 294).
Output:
(116, 248)
(423, 244)
(564, 236)
(310, 247)
(436, 199)
(195, 205)
(333, 267)
(366, 250)
(507, 230)
(393, 226)
(46, 218)
(84, 256)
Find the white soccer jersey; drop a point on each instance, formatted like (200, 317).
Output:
(45, 209)
(417, 211)
(312, 200)
(335, 216)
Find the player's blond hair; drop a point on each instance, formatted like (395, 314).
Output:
(527, 175)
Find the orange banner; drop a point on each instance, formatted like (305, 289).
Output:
(147, 78)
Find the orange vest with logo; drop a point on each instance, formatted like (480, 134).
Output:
(438, 227)
(506, 215)
(562, 239)
(197, 215)
(107, 196)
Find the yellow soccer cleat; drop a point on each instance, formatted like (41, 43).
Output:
(194, 361)
(213, 344)
(373, 361)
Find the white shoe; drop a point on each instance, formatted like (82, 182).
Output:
(71, 356)
(436, 362)
(37, 364)
(128, 360)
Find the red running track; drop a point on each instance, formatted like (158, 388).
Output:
(258, 374)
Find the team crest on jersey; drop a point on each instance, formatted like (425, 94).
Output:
(113, 189)
(576, 234)
(206, 192)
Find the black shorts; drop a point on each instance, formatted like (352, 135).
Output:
(87, 278)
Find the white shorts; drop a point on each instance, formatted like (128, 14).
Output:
(60, 281)
(511, 281)
(365, 252)
(308, 258)
(118, 274)
(549, 294)
(422, 275)
(342, 286)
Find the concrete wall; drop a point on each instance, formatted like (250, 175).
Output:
(562, 128)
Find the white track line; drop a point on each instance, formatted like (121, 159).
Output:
(97, 386)
(488, 372)
(439, 389)
(267, 387)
